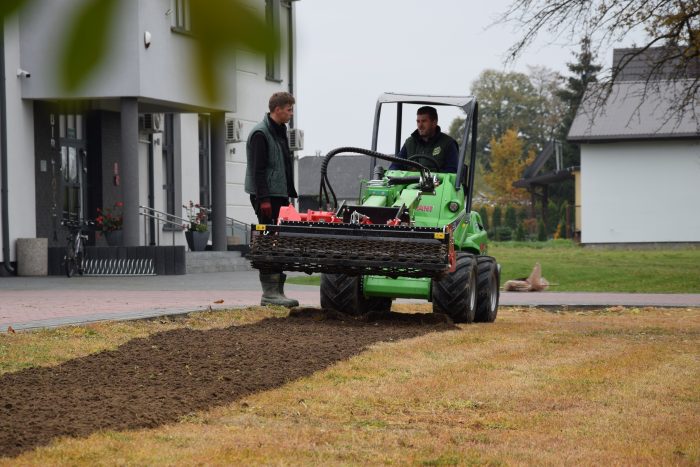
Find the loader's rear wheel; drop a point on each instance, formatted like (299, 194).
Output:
(487, 289)
(455, 294)
(341, 293)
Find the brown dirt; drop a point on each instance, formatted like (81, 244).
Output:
(152, 381)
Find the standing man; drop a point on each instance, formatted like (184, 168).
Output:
(428, 140)
(269, 180)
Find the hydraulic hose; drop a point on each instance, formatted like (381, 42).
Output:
(325, 186)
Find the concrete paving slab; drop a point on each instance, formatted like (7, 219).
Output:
(34, 302)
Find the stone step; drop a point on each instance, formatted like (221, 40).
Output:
(215, 261)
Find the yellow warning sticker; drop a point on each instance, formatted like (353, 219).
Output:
(260, 227)
(439, 236)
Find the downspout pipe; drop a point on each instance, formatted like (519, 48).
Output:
(7, 267)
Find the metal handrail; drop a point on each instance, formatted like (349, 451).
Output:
(161, 218)
(173, 216)
(239, 226)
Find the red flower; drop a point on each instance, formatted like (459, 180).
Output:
(197, 216)
(110, 219)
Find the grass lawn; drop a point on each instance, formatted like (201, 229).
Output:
(573, 268)
(619, 386)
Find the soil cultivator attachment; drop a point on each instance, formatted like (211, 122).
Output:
(321, 241)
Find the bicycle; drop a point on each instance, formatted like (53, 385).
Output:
(75, 246)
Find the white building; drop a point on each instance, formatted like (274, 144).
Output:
(640, 164)
(139, 131)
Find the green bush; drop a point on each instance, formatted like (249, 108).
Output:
(511, 220)
(519, 232)
(503, 234)
(483, 212)
(523, 214)
(496, 218)
(561, 228)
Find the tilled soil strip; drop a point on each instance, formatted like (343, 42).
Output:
(148, 382)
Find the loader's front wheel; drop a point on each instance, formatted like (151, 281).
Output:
(455, 294)
(488, 289)
(342, 293)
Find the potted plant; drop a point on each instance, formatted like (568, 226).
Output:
(110, 221)
(196, 230)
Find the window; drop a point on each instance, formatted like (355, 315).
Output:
(272, 59)
(182, 15)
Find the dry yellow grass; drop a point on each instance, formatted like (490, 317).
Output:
(589, 388)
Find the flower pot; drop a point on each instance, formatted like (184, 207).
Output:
(114, 237)
(197, 241)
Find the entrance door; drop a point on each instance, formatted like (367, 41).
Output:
(71, 138)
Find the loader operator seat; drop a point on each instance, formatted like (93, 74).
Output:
(428, 161)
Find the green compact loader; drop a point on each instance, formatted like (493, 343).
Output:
(413, 235)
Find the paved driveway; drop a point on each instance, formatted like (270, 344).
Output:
(31, 302)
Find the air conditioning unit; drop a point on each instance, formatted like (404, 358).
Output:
(233, 130)
(151, 123)
(296, 139)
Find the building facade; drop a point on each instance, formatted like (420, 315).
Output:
(640, 162)
(139, 132)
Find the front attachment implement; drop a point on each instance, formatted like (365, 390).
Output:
(336, 247)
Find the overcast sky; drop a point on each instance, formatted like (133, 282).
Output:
(349, 52)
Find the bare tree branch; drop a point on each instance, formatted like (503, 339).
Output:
(671, 52)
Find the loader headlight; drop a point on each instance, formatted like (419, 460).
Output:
(453, 206)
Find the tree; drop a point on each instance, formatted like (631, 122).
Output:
(496, 217)
(511, 219)
(507, 164)
(513, 100)
(673, 24)
(218, 28)
(583, 71)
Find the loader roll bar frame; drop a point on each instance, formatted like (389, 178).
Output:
(469, 106)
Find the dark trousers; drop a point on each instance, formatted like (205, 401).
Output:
(276, 201)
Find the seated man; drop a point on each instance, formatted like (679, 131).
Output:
(429, 141)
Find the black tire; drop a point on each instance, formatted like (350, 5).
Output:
(488, 289)
(69, 265)
(79, 263)
(341, 293)
(455, 294)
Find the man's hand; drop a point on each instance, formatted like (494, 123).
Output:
(265, 209)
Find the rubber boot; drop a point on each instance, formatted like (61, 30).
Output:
(283, 279)
(271, 291)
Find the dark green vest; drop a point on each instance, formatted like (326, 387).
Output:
(276, 174)
(436, 146)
